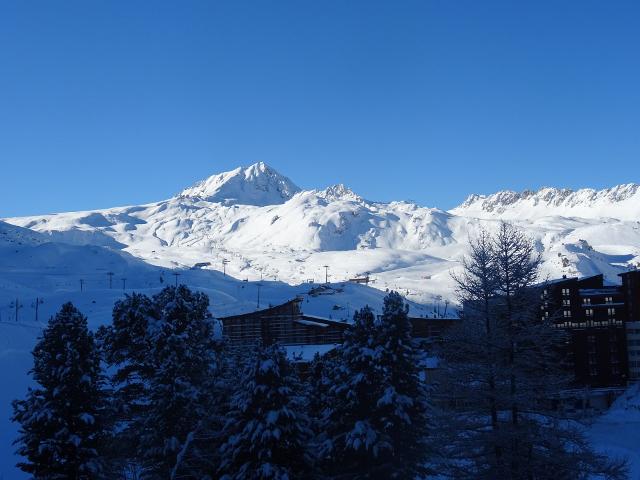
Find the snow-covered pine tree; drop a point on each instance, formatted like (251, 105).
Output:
(403, 407)
(267, 431)
(350, 403)
(375, 424)
(61, 418)
(317, 388)
(166, 384)
(182, 407)
(126, 347)
(501, 368)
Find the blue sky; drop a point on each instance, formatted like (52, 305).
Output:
(107, 103)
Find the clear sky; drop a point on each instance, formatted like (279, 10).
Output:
(106, 103)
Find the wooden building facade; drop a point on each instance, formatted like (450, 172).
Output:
(285, 324)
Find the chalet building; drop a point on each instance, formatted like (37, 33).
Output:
(603, 322)
(284, 324)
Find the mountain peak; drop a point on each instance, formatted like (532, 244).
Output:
(258, 184)
(620, 201)
(339, 192)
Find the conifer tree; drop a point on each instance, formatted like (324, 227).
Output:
(166, 384)
(375, 425)
(318, 387)
(61, 419)
(403, 407)
(126, 345)
(267, 432)
(181, 388)
(501, 368)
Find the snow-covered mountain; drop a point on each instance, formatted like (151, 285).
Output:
(621, 202)
(262, 225)
(257, 185)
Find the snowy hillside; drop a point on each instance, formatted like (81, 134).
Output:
(38, 276)
(12, 236)
(262, 225)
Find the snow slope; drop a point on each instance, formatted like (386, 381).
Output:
(39, 275)
(261, 225)
(617, 432)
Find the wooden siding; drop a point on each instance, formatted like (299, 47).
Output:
(284, 324)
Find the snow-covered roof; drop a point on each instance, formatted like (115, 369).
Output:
(554, 281)
(312, 324)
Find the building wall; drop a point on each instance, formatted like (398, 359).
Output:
(633, 348)
(599, 356)
(631, 290)
(595, 316)
(284, 324)
(430, 328)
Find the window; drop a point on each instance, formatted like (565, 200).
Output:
(586, 301)
(567, 313)
(615, 370)
(566, 302)
(565, 292)
(592, 359)
(593, 371)
(608, 299)
(589, 312)
(611, 312)
(591, 339)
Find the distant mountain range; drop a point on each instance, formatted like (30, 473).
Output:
(263, 225)
(621, 202)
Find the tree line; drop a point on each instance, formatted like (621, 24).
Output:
(155, 395)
